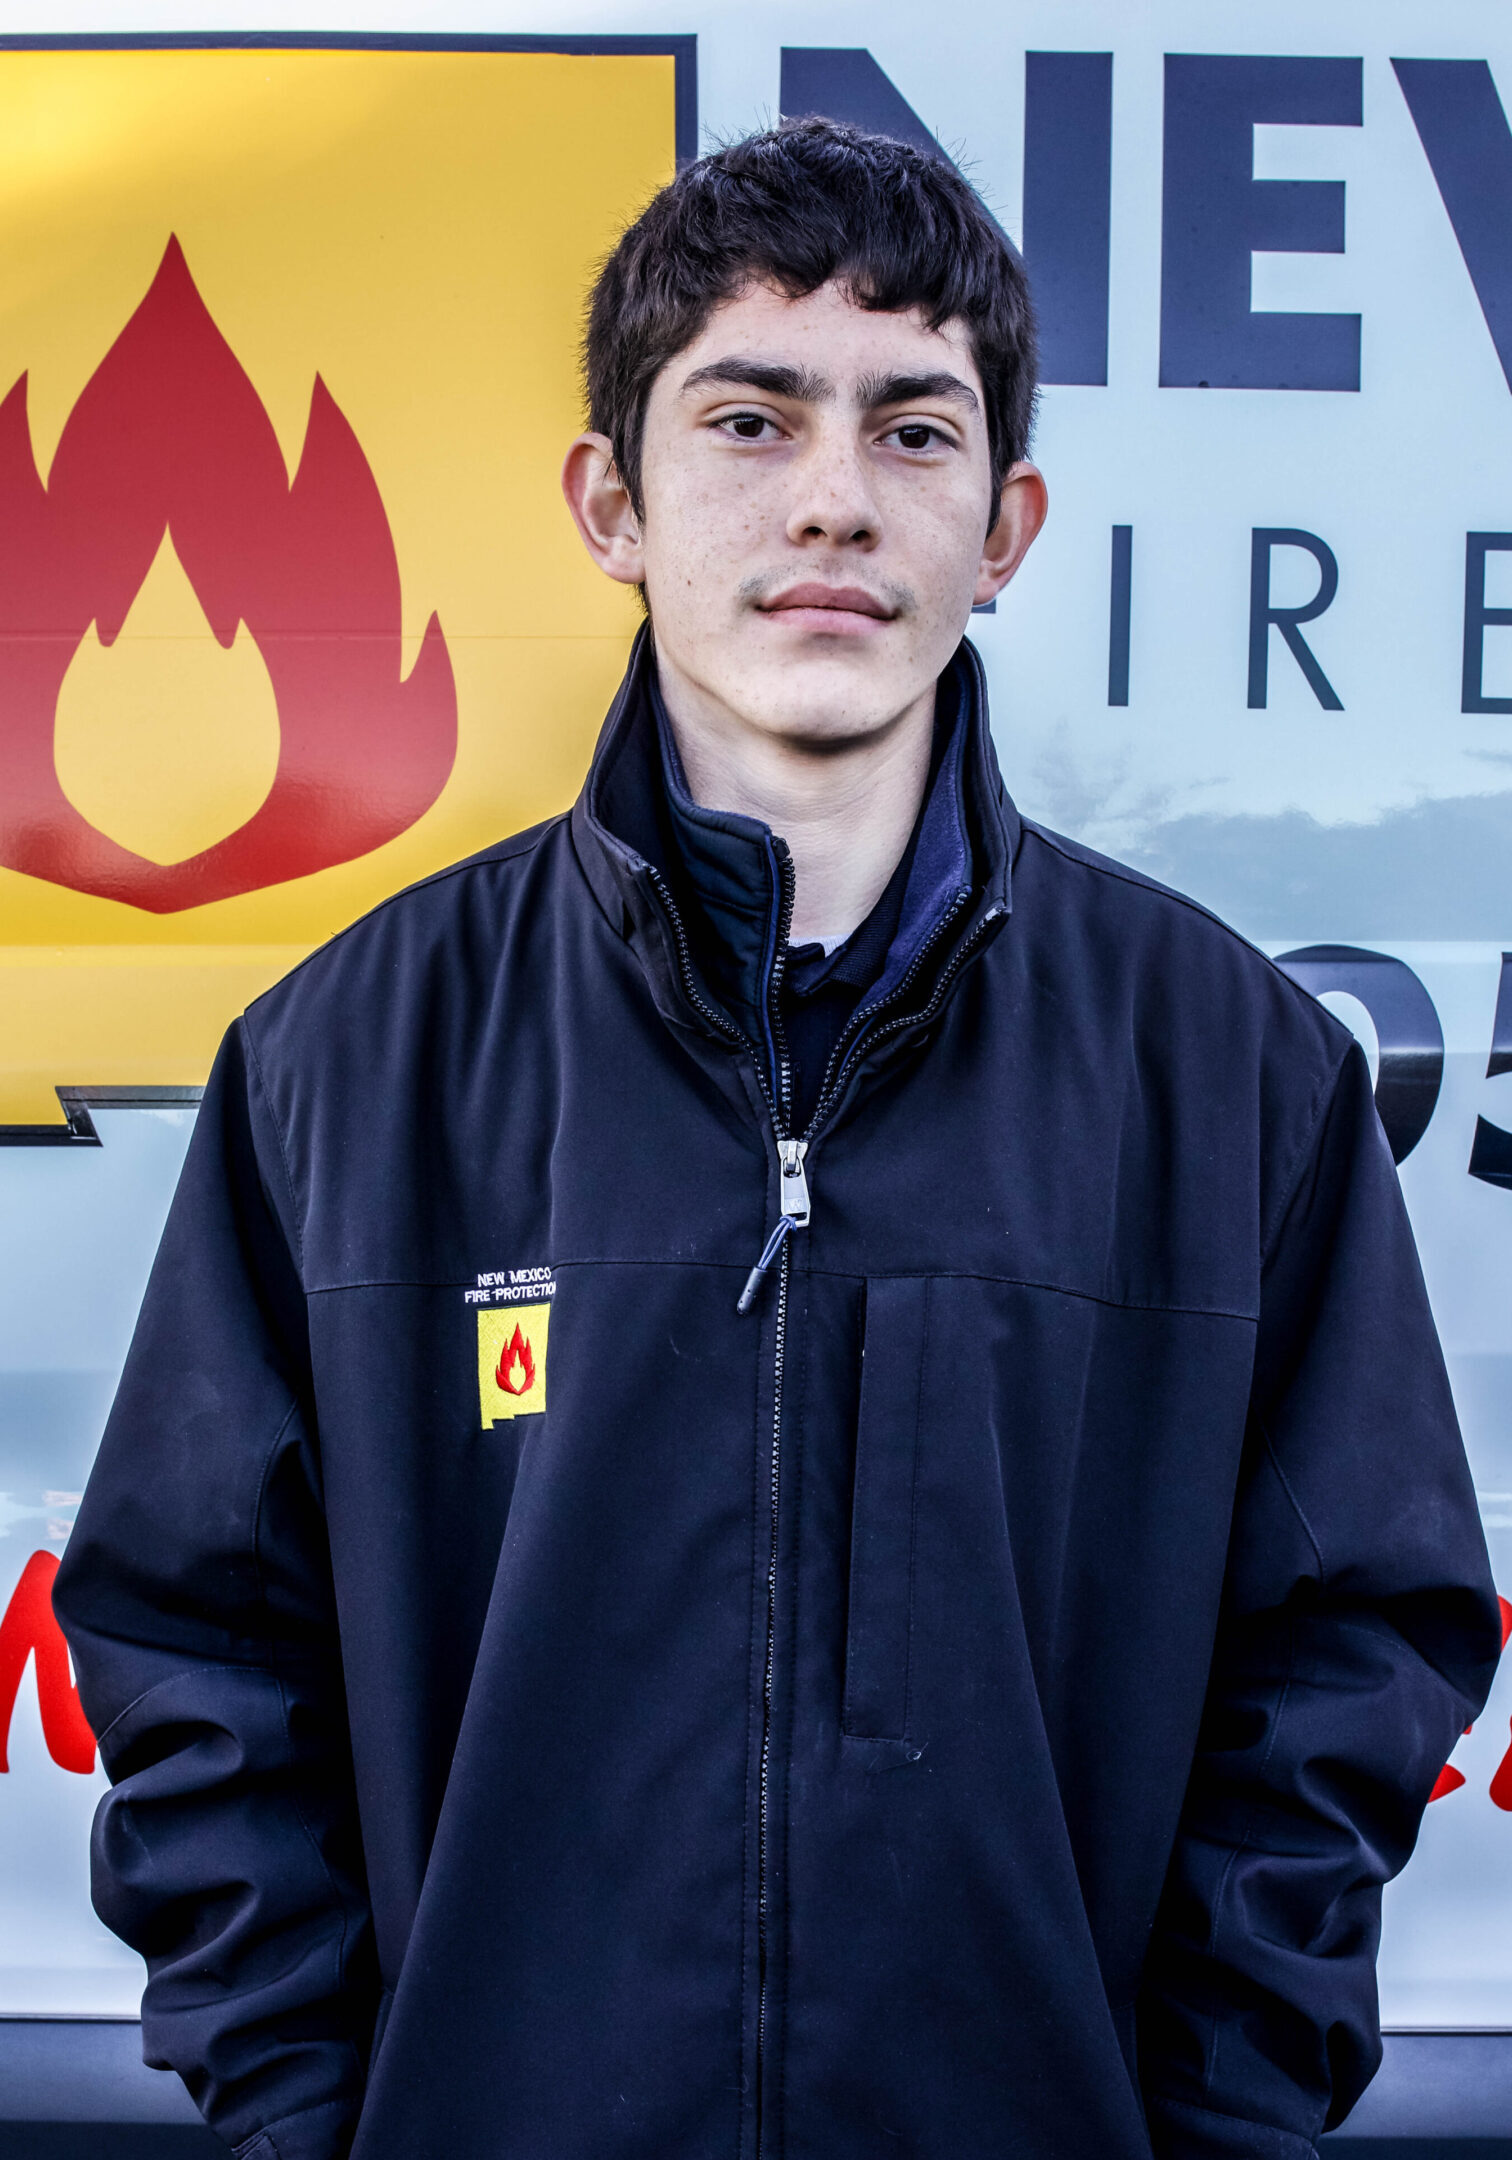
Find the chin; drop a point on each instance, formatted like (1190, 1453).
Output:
(827, 698)
(820, 718)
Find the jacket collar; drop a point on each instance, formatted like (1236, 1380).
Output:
(622, 829)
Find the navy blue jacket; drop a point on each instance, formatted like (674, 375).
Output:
(963, 1706)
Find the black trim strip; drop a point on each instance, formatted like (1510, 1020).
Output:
(1435, 2087)
(79, 1130)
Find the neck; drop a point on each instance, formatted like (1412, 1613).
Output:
(846, 809)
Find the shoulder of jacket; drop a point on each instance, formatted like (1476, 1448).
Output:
(1177, 915)
(427, 907)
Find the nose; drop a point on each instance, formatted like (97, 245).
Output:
(832, 498)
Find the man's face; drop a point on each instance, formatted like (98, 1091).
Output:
(817, 492)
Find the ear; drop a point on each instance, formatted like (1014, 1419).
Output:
(602, 510)
(1021, 513)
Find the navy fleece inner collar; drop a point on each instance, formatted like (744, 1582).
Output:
(941, 872)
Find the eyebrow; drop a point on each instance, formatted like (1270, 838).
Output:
(775, 377)
(878, 390)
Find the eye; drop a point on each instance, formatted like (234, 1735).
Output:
(916, 435)
(745, 426)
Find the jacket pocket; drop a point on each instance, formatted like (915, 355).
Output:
(879, 1621)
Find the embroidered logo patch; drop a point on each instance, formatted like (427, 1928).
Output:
(512, 1361)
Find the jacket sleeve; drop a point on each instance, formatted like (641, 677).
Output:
(1359, 1635)
(196, 1597)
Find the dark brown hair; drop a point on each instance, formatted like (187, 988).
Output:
(797, 206)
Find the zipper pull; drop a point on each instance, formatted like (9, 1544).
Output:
(793, 1195)
(792, 1184)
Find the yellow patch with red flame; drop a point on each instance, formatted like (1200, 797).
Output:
(291, 613)
(512, 1361)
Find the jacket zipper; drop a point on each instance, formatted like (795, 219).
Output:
(764, 1782)
(794, 1208)
(793, 1188)
(790, 1177)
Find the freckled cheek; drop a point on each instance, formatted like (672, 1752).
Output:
(719, 521)
(703, 539)
(941, 538)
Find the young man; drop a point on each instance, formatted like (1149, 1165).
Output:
(785, 1491)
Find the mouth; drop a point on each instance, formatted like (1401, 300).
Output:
(835, 609)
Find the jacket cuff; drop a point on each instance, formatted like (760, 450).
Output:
(1179, 2131)
(317, 2133)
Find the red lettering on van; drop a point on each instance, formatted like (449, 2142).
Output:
(30, 1630)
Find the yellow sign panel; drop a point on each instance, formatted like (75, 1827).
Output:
(291, 613)
(512, 1361)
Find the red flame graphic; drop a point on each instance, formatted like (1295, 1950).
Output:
(1501, 1783)
(1449, 1779)
(516, 1352)
(169, 433)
